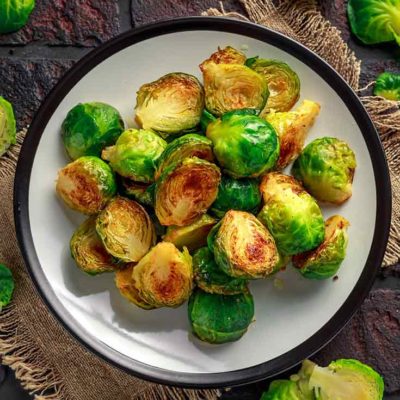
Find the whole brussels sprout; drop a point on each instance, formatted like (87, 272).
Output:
(191, 236)
(89, 127)
(388, 86)
(228, 55)
(139, 191)
(86, 184)
(218, 318)
(235, 194)
(6, 286)
(283, 83)
(164, 276)
(324, 261)
(88, 251)
(190, 145)
(126, 229)
(245, 145)
(14, 14)
(283, 390)
(291, 214)
(7, 125)
(292, 128)
(135, 154)
(171, 104)
(185, 191)
(243, 247)
(210, 278)
(326, 168)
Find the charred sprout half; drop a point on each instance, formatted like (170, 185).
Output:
(387, 85)
(227, 55)
(125, 229)
(86, 184)
(7, 125)
(139, 191)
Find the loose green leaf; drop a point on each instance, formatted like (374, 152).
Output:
(388, 86)
(14, 14)
(6, 286)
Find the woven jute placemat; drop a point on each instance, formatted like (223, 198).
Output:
(52, 364)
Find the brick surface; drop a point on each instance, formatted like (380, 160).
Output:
(335, 11)
(77, 22)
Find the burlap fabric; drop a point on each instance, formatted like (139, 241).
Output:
(46, 359)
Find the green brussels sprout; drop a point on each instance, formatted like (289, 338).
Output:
(326, 168)
(89, 127)
(125, 229)
(210, 278)
(139, 191)
(292, 128)
(242, 246)
(324, 261)
(135, 154)
(235, 194)
(86, 184)
(164, 276)
(283, 390)
(291, 214)
(14, 14)
(185, 191)
(205, 119)
(88, 251)
(171, 104)
(191, 236)
(6, 286)
(388, 86)
(217, 318)
(245, 145)
(8, 130)
(228, 55)
(283, 83)
(190, 145)
(375, 21)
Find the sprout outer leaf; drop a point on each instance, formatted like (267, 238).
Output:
(388, 86)
(14, 14)
(6, 286)
(8, 130)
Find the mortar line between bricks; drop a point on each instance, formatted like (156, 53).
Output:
(35, 51)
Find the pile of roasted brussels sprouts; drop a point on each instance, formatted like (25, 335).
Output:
(192, 204)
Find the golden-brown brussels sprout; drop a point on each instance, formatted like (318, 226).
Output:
(228, 55)
(126, 229)
(164, 276)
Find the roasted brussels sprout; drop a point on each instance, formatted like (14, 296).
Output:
(6, 286)
(126, 286)
(283, 83)
(191, 145)
(283, 390)
(218, 318)
(292, 128)
(86, 184)
(210, 278)
(236, 194)
(388, 86)
(242, 246)
(7, 125)
(291, 214)
(326, 168)
(88, 251)
(205, 119)
(245, 145)
(228, 55)
(191, 236)
(125, 229)
(89, 127)
(139, 191)
(171, 104)
(185, 191)
(324, 261)
(14, 14)
(135, 154)
(164, 276)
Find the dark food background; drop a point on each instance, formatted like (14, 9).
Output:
(59, 33)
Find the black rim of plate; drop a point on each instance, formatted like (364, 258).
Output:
(286, 360)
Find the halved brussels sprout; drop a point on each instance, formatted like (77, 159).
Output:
(326, 168)
(282, 389)
(291, 214)
(89, 127)
(164, 276)
(236, 194)
(86, 184)
(191, 145)
(14, 14)
(185, 191)
(387, 85)
(210, 278)
(324, 261)
(228, 55)
(8, 130)
(139, 191)
(88, 251)
(217, 318)
(245, 145)
(127, 287)
(171, 104)
(205, 119)
(125, 229)
(292, 128)
(135, 154)
(191, 236)
(243, 247)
